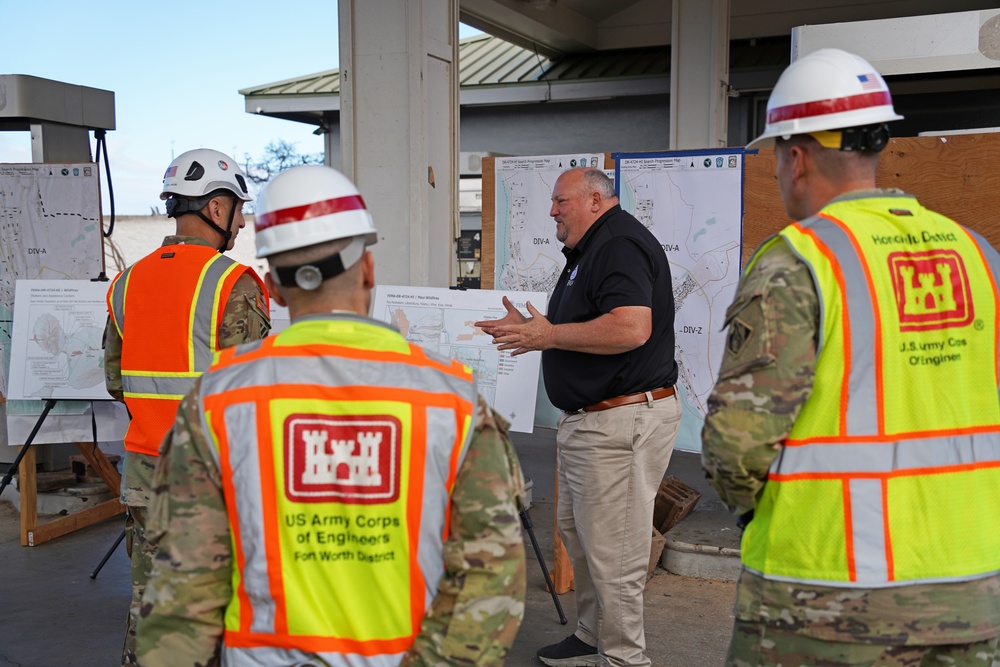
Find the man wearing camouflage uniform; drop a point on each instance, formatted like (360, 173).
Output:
(185, 302)
(332, 495)
(855, 426)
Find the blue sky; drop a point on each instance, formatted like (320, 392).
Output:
(175, 69)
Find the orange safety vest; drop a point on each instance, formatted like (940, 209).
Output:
(892, 467)
(167, 308)
(338, 445)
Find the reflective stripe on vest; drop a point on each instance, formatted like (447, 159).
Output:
(159, 367)
(880, 481)
(330, 562)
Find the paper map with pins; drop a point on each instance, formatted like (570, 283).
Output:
(441, 321)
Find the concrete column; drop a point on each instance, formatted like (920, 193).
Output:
(55, 142)
(699, 73)
(399, 131)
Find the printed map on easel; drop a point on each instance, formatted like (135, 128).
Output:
(57, 344)
(49, 230)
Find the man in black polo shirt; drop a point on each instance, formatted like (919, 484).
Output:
(608, 362)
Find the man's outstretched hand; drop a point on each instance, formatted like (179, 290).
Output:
(518, 333)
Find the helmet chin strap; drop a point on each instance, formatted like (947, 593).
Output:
(227, 233)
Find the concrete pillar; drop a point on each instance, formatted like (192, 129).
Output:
(699, 73)
(55, 142)
(399, 131)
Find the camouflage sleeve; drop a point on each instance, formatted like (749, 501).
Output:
(766, 375)
(246, 317)
(113, 361)
(181, 620)
(480, 600)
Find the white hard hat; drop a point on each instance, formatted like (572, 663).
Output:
(197, 173)
(828, 89)
(310, 204)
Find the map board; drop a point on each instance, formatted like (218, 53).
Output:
(441, 321)
(528, 254)
(57, 341)
(50, 229)
(692, 201)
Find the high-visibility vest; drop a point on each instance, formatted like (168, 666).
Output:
(338, 445)
(891, 473)
(167, 308)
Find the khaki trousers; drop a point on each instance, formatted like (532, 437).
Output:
(610, 465)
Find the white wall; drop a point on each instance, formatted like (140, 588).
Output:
(137, 236)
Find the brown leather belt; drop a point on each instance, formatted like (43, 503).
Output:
(629, 399)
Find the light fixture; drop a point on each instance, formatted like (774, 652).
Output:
(541, 5)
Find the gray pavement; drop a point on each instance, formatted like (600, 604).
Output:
(52, 614)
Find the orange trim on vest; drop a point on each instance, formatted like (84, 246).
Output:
(453, 473)
(269, 507)
(910, 472)
(890, 566)
(417, 357)
(225, 356)
(887, 437)
(996, 297)
(321, 644)
(229, 492)
(260, 395)
(414, 512)
(876, 318)
(852, 569)
(845, 323)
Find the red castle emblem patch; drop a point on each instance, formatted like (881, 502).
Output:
(932, 290)
(344, 459)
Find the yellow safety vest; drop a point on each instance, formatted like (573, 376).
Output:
(338, 443)
(891, 472)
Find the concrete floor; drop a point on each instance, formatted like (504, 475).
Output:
(52, 614)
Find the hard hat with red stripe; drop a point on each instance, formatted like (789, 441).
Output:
(307, 205)
(828, 89)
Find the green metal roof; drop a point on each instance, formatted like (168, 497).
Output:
(486, 61)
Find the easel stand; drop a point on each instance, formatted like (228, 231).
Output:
(97, 570)
(33, 533)
(529, 527)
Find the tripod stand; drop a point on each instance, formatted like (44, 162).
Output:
(97, 570)
(529, 527)
(12, 470)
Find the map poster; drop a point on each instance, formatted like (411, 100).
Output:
(441, 321)
(528, 254)
(50, 229)
(56, 345)
(692, 201)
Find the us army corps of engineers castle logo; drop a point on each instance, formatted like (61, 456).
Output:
(343, 459)
(932, 290)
